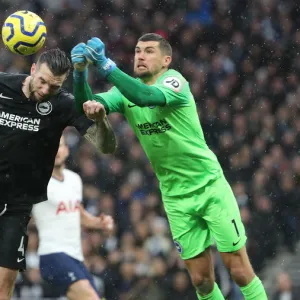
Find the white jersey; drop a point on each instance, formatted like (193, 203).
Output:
(58, 219)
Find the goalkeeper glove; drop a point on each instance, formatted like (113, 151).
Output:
(79, 62)
(94, 52)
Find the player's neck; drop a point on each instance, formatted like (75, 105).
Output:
(151, 80)
(58, 173)
(25, 87)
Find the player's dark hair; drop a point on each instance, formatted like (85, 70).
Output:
(56, 60)
(164, 45)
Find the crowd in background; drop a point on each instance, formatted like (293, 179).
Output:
(242, 60)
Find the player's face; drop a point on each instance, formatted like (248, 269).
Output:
(62, 153)
(43, 83)
(148, 59)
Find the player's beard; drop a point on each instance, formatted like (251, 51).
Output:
(148, 75)
(144, 75)
(31, 90)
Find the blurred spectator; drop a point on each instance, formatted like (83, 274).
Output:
(284, 288)
(180, 288)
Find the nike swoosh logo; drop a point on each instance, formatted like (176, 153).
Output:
(130, 106)
(20, 259)
(4, 97)
(234, 244)
(4, 210)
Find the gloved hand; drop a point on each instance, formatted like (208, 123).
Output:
(94, 52)
(79, 62)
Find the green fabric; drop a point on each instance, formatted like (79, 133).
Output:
(170, 135)
(254, 290)
(82, 93)
(112, 100)
(210, 212)
(214, 295)
(138, 92)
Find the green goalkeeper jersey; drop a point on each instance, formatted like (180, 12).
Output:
(170, 135)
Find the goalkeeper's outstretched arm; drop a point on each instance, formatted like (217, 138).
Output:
(93, 53)
(136, 91)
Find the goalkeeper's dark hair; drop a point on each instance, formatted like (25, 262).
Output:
(56, 60)
(164, 45)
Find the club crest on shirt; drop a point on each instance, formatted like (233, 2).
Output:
(44, 108)
(178, 247)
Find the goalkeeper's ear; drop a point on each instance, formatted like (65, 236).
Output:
(167, 61)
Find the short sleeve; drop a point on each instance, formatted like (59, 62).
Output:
(80, 188)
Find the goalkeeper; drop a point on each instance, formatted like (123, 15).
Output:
(197, 198)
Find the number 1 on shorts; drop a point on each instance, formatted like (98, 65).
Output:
(236, 229)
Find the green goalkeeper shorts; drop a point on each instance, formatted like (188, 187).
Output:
(203, 215)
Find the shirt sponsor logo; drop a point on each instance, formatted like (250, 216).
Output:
(173, 83)
(18, 122)
(160, 126)
(67, 207)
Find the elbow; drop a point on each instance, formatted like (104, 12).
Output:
(143, 99)
(140, 99)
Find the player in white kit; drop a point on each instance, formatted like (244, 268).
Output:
(59, 221)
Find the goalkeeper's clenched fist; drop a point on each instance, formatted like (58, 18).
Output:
(79, 62)
(78, 59)
(93, 52)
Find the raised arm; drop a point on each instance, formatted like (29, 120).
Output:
(138, 92)
(100, 134)
(81, 89)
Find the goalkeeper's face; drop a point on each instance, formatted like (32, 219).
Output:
(149, 60)
(62, 153)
